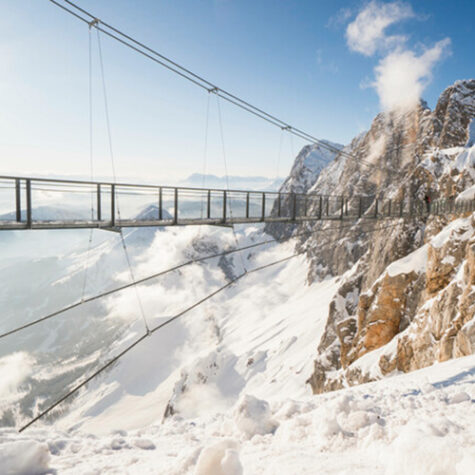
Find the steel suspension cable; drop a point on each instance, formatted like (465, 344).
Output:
(226, 174)
(167, 271)
(281, 137)
(162, 325)
(91, 163)
(198, 80)
(166, 62)
(109, 134)
(205, 151)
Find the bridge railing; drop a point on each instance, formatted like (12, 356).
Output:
(47, 203)
(40, 203)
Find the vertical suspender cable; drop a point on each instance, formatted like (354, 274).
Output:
(292, 145)
(220, 119)
(205, 152)
(91, 161)
(279, 154)
(109, 134)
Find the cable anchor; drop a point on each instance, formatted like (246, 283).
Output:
(287, 127)
(213, 90)
(94, 22)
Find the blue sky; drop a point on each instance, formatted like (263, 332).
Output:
(291, 58)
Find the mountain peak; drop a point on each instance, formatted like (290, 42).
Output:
(454, 111)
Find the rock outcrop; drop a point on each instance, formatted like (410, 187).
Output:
(405, 300)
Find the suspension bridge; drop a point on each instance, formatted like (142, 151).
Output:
(32, 203)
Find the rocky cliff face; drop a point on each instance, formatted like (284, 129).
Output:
(311, 160)
(305, 171)
(406, 296)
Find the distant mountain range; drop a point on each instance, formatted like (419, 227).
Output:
(261, 183)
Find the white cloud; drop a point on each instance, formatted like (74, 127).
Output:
(402, 76)
(366, 34)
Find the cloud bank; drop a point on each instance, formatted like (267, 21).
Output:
(401, 74)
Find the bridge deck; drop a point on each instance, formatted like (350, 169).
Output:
(39, 203)
(137, 223)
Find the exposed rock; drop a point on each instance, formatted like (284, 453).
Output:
(454, 110)
(442, 262)
(445, 326)
(422, 317)
(380, 313)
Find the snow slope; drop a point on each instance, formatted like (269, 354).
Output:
(418, 423)
(259, 335)
(231, 377)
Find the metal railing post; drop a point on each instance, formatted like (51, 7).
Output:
(224, 206)
(320, 205)
(346, 206)
(208, 205)
(389, 208)
(18, 199)
(263, 211)
(279, 210)
(328, 206)
(99, 210)
(342, 207)
(160, 204)
(175, 209)
(247, 205)
(28, 204)
(112, 205)
(376, 208)
(294, 206)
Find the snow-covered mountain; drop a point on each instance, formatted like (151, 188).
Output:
(404, 156)
(260, 183)
(306, 169)
(309, 163)
(230, 387)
